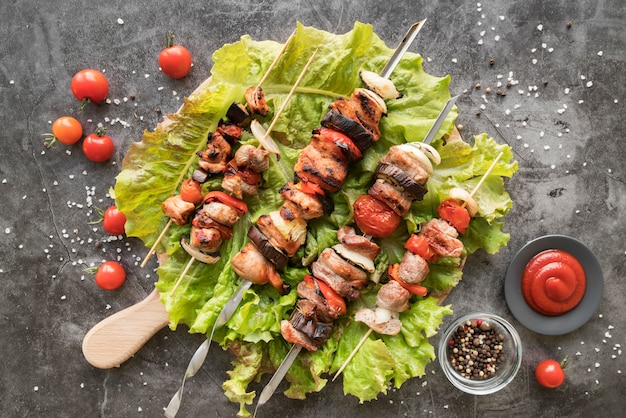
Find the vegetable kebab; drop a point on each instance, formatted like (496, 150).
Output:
(437, 238)
(241, 174)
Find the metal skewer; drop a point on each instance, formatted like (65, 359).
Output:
(280, 373)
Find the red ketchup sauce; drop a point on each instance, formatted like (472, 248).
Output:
(553, 282)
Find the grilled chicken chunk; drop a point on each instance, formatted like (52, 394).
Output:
(221, 213)
(341, 267)
(207, 240)
(203, 221)
(400, 202)
(289, 246)
(313, 305)
(358, 243)
(368, 110)
(215, 156)
(323, 163)
(413, 269)
(177, 209)
(368, 316)
(393, 296)
(442, 238)
(234, 184)
(256, 159)
(302, 205)
(292, 335)
(256, 101)
(408, 163)
(344, 288)
(342, 117)
(250, 264)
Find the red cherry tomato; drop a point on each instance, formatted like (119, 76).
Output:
(90, 85)
(97, 146)
(110, 275)
(191, 191)
(374, 217)
(175, 60)
(114, 221)
(550, 374)
(67, 130)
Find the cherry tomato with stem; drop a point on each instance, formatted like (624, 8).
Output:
(550, 374)
(98, 146)
(89, 85)
(114, 221)
(66, 129)
(174, 60)
(110, 275)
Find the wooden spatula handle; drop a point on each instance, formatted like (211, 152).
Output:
(117, 338)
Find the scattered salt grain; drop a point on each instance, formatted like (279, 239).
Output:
(120, 21)
(36, 388)
(454, 60)
(7, 230)
(589, 83)
(600, 53)
(540, 27)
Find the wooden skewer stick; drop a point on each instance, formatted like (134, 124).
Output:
(484, 177)
(273, 64)
(267, 73)
(153, 248)
(353, 353)
(182, 275)
(291, 92)
(369, 331)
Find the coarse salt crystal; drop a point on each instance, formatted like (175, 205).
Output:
(589, 83)
(600, 53)
(540, 27)
(120, 21)
(454, 60)
(566, 91)
(497, 38)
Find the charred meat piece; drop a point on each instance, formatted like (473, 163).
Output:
(341, 267)
(406, 162)
(369, 109)
(256, 101)
(221, 213)
(368, 316)
(314, 306)
(344, 288)
(202, 220)
(303, 205)
(256, 159)
(215, 156)
(442, 238)
(397, 200)
(393, 296)
(358, 243)
(207, 240)
(342, 117)
(250, 264)
(177, 209)
(234, 184)
(323, 163)
(292, 335)
(413, 269)
(392, 174)
(230, 131)
(288, 241)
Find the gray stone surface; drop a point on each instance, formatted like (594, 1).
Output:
(563, 119)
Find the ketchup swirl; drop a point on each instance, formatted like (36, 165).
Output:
(553, 282)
